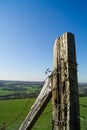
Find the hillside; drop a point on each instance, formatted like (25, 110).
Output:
(25, 89)
(19, 89)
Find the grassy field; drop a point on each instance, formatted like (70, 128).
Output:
(12, 112)
(83, 113)
(29, 89)
(17, 87)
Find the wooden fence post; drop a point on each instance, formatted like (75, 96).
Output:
(65, 99)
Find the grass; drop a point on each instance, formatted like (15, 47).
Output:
(83, 113)
(10, 109)
(29, 89)
(6, 92)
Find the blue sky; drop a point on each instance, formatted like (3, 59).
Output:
(28, 29)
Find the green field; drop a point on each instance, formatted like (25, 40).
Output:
(83, 113)
(17, 87)
(12, 112)
(28, 89)
(12, 109)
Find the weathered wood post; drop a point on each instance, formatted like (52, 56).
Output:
(65, 98)
(38, 107)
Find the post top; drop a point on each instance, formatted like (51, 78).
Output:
(67, 33)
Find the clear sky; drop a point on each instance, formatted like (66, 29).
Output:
(28, 29)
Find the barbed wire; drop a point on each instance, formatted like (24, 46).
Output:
(82, 119)
(43, 127)
(82, 105)
(18, 116)
(66, 94)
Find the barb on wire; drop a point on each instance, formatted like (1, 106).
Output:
(47, 71)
